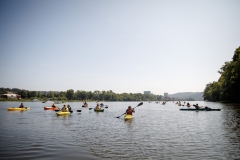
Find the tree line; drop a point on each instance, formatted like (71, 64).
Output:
(227, 88)
(82, 95)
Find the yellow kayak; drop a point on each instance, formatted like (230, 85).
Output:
(128, 116)
(18, 109)
(62, 113)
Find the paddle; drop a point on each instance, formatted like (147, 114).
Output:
(133, 108)
(79, 110)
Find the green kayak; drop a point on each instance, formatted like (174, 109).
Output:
(200, 109)
(98, 110)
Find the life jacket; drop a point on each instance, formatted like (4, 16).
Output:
(129, 111)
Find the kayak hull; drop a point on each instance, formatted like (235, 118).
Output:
(127, 117)
(51, 108)
(18, 109)
(99, 110)
(200, 109)
(62, 113)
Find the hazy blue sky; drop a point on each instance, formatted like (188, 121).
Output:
(124, 46)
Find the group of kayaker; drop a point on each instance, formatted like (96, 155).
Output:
(196, 106)
(66, 108)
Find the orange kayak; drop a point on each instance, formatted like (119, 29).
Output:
(51, 108)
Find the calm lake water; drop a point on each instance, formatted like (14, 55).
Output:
(156, 132)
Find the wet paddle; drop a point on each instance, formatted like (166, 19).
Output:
(133, 108)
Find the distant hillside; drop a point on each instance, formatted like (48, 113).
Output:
(197, 96)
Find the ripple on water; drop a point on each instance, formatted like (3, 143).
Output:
(156, 132)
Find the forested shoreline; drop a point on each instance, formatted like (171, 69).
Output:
(79, 95)
(227, 88)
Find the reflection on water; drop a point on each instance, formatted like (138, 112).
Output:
(156, 132)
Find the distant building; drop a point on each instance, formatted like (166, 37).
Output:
(11, 95)
(165, 96)
(147, 92)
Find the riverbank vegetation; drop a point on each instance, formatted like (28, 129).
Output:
(79, 95)
(227, 88)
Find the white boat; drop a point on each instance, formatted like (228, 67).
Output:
(35, 100)
(47, 102)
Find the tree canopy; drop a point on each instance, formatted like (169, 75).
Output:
(228, 85)
(83, 95)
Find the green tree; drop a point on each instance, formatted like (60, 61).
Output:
(50, 94)
(23, 93)
(70, 94)
(228, 86)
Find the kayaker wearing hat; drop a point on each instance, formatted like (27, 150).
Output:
(129, 111)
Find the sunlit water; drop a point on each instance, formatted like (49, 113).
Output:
(156, 132)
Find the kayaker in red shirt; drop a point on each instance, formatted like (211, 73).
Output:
(129, 111)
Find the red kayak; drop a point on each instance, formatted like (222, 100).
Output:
(51, 108)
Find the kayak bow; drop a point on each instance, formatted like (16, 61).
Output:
(128, 116)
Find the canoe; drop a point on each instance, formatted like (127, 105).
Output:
(98, 110)
(62, 113)
(200, 109)
(51, 108)
(128, 116)
(18, 109)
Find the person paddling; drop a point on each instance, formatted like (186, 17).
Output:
(53, 105)
(98, 107)
(85, 104)
(188, 105)
(129, 111)
(64, 109)
(69, 108)
(197, 107)
(21, 105)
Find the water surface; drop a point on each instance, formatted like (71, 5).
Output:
(156, 132)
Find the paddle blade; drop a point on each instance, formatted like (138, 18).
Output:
(79, 110)
(140, 104)
(90, 108)
(57, 110)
